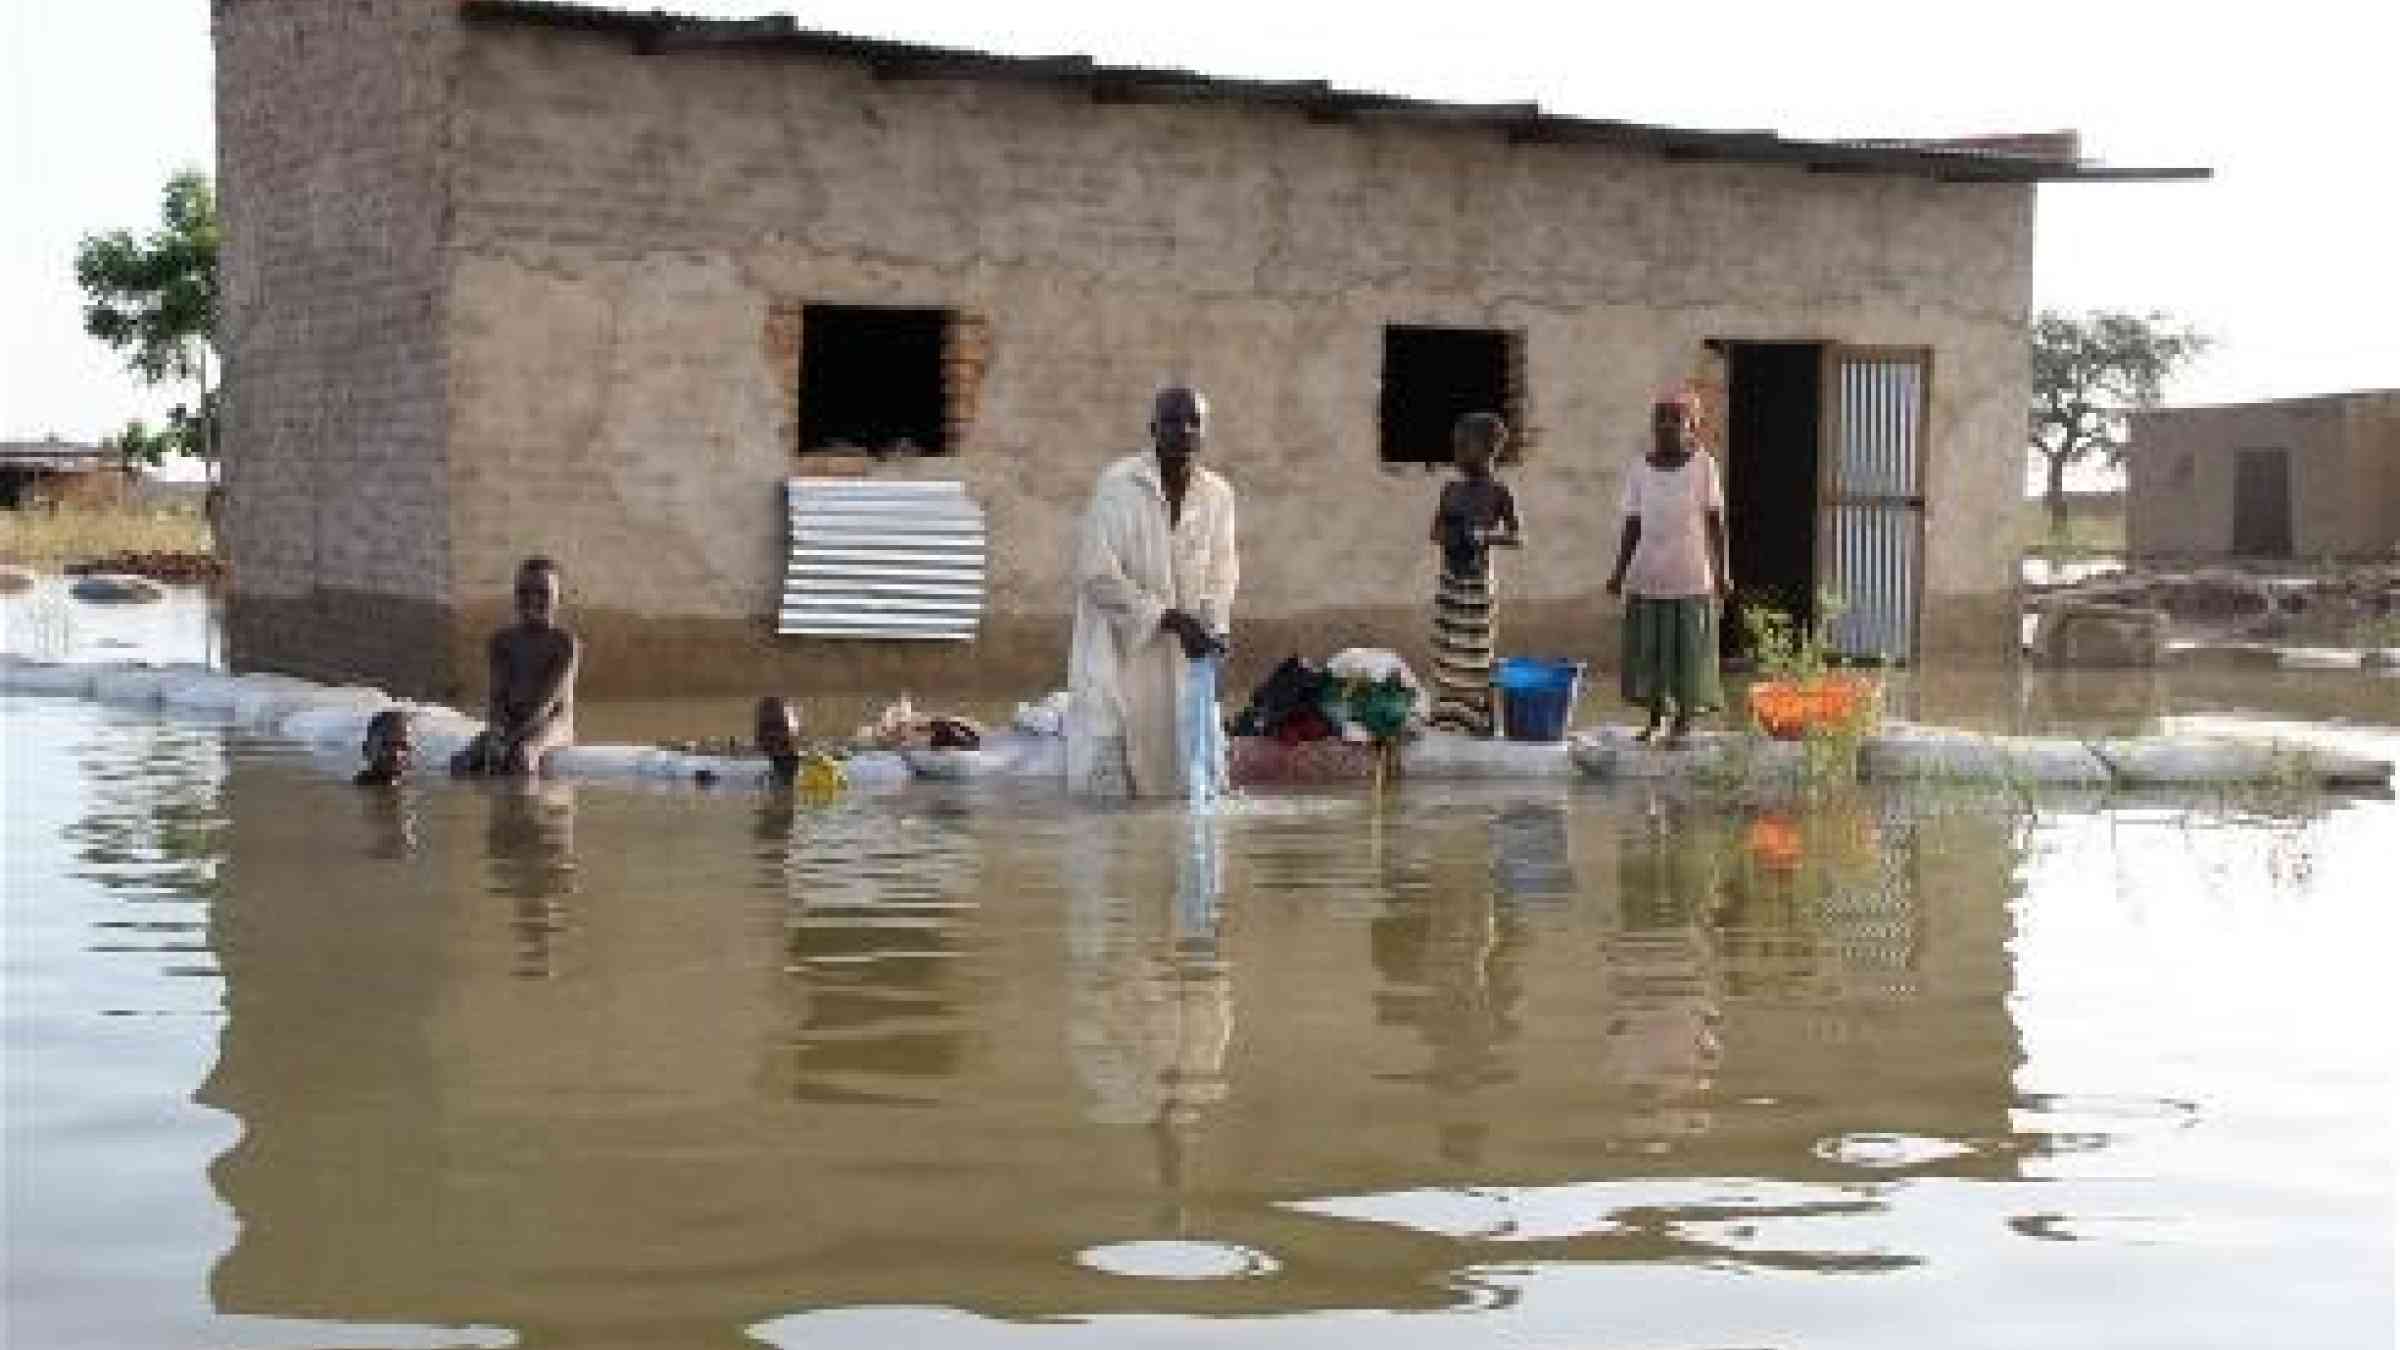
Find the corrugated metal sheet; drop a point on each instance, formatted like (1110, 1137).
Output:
(1871, 520)
(878, 559)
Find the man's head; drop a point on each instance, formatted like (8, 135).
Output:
(537, 592)
(1671, 425)
(1477, 440)
(1178, 424)
(778, 728)
(389, 749)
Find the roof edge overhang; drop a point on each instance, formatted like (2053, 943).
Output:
(657, 32)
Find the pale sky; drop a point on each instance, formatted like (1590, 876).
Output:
(2283, 258)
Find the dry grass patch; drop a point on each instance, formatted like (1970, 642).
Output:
(41, 537)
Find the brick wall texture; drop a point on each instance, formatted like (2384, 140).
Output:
(500, 289)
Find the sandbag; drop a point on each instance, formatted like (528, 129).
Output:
(212, 691)
(1004, 756)
(260, 701)
(2163, 761)
(333, 724)
(50, 679)
(1902, 753)
(1045, 718)
(2319, 658)
(1448, 756)
(138, 686)
(1613, 753)
(881, 770)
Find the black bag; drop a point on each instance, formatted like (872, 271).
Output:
(1293, 685)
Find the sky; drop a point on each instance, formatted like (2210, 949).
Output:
(2283, 258)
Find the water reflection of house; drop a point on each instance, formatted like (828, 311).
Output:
(1073, 1031)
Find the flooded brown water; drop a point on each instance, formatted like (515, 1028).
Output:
(288, 1064)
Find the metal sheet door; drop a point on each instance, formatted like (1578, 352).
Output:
(1871, 511)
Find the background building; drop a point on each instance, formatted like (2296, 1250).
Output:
(2292, 478)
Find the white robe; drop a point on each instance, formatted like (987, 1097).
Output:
(1130, 568)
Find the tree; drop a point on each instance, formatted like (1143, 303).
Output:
(154, 299)
(2088, 373)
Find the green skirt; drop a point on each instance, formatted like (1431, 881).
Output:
(1670, 654)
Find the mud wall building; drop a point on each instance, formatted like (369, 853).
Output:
(2301, 478)
(505, 278)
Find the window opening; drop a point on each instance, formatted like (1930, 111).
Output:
(880, 380)
(1434, 376)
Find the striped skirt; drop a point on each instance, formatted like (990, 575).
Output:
(1462, 653)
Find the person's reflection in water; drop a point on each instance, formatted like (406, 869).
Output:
(1661, 1039)
(1152, 1015)
(390, 815)
(531, 845)
(1446, 956)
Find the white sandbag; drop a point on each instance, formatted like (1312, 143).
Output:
(679, 766)
(1046, 718)
(213, 691)
(262, 700)
(2162, 761)
(1439, 756)
(1613, 753)
(305, 717)
(1905, 753)
(1008, 755)
(439, 732)
(330, 725)
(2319, 658)
(878, 771)
(598, 761)
(137, 686)
(50, 679)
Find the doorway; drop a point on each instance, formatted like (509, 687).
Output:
(1774, 407)
(2262, 504)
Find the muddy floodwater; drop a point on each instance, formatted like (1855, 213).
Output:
(291, 1064)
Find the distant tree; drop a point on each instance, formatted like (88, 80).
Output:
(154, 300)
(138, 444)
(2088, 373)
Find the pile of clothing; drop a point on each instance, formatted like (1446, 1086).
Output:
(1364, 696)
(901, 727)
(1335, 723)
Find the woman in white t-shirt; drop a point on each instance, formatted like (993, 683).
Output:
(1672, 570)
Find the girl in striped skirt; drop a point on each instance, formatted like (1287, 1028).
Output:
(1476, 514)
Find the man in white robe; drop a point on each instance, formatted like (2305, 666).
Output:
(1154, 579)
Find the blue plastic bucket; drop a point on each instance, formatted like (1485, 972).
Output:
(1537, 696)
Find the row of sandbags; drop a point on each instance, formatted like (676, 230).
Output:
(1906, 752)
(334, 718)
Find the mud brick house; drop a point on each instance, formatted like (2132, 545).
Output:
(2299, 478)
(506, 278)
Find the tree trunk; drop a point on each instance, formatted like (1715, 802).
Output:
(2055, 494)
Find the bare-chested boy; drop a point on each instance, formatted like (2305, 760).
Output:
(533, 663)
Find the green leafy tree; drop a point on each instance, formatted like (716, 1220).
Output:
(154, 300)
(2088, 373)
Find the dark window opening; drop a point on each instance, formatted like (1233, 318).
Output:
(876, 380)
(1434, 376)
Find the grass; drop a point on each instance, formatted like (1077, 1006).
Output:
(41, 537)
(2084, 535)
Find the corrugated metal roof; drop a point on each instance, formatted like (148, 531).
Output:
(882, 559)
(2000, 159)
(62, 456)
